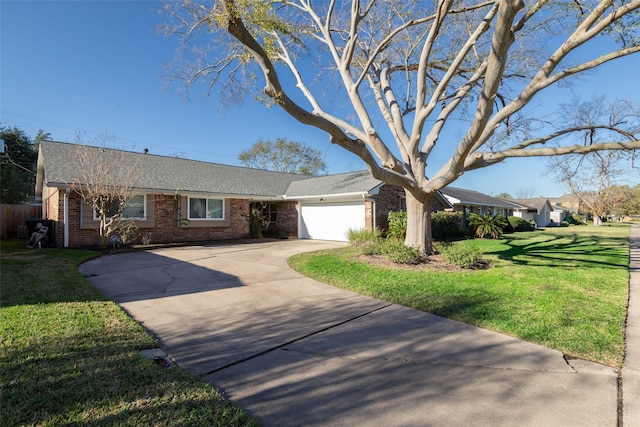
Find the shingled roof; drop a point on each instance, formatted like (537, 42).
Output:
(536, 204)
(474, 198)
(168, 174)
(343, 183)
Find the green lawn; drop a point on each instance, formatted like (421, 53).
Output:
(70, 356)
(564, 288)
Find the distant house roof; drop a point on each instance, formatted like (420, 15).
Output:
(459, 196)
(536, 204)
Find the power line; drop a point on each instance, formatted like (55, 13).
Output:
(52, 127)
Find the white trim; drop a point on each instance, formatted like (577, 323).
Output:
(65, 225)
(362, 194)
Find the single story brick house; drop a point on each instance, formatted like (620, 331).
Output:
(182, 200)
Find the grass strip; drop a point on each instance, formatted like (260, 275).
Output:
(564, 288)
(70, 356)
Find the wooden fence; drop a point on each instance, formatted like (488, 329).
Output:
(12, 220)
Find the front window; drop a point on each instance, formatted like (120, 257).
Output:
(201, 208)
(270, 212)
(134, 208)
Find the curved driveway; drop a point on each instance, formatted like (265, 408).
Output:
(293, 351)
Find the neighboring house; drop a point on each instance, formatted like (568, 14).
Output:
(559, 214)
(183, 200)
(538, 210)
(469, 201)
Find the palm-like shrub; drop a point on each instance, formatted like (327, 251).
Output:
(487, 225)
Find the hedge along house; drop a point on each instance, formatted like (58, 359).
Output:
(181, 200)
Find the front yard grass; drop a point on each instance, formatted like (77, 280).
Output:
(564, 288)
(69, 356)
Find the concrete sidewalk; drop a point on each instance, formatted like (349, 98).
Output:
(631, 370)
(292, 351)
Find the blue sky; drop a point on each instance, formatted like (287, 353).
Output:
(91, 67)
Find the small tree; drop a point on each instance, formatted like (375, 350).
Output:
(284, 156)
(258, 224)
(18, 165)
(627, 200)
(105, 181)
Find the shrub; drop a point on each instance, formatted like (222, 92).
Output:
(258, 224)
(446, 225)
(460, 254)
(125, 229)
(575, 219)
(396, 251)
(487, 225)
(520, 224)
(397, 225)
(373, 247)
(361, 237)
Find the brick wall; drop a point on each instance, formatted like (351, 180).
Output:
(165, 228)
(391, 198)
(368, 215)
(287, 219)
(388, 199)
(171, 226)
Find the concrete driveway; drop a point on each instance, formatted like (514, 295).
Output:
(295, 352)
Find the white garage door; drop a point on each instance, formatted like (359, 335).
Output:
(330, 221)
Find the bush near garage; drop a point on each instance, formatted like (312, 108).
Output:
(521, 224)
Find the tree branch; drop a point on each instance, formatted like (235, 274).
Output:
(481, 160)
(544, 78)
(502, 40)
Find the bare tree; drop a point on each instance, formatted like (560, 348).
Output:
(105, 180)
(593, 177)
(589, 178)
(526, 193)
(419, 77)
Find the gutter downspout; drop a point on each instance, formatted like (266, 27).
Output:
(65, 225)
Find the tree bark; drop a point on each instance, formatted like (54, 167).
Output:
(419, 223)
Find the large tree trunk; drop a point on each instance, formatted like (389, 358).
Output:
(419, 223)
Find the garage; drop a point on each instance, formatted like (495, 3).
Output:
(330, 221)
